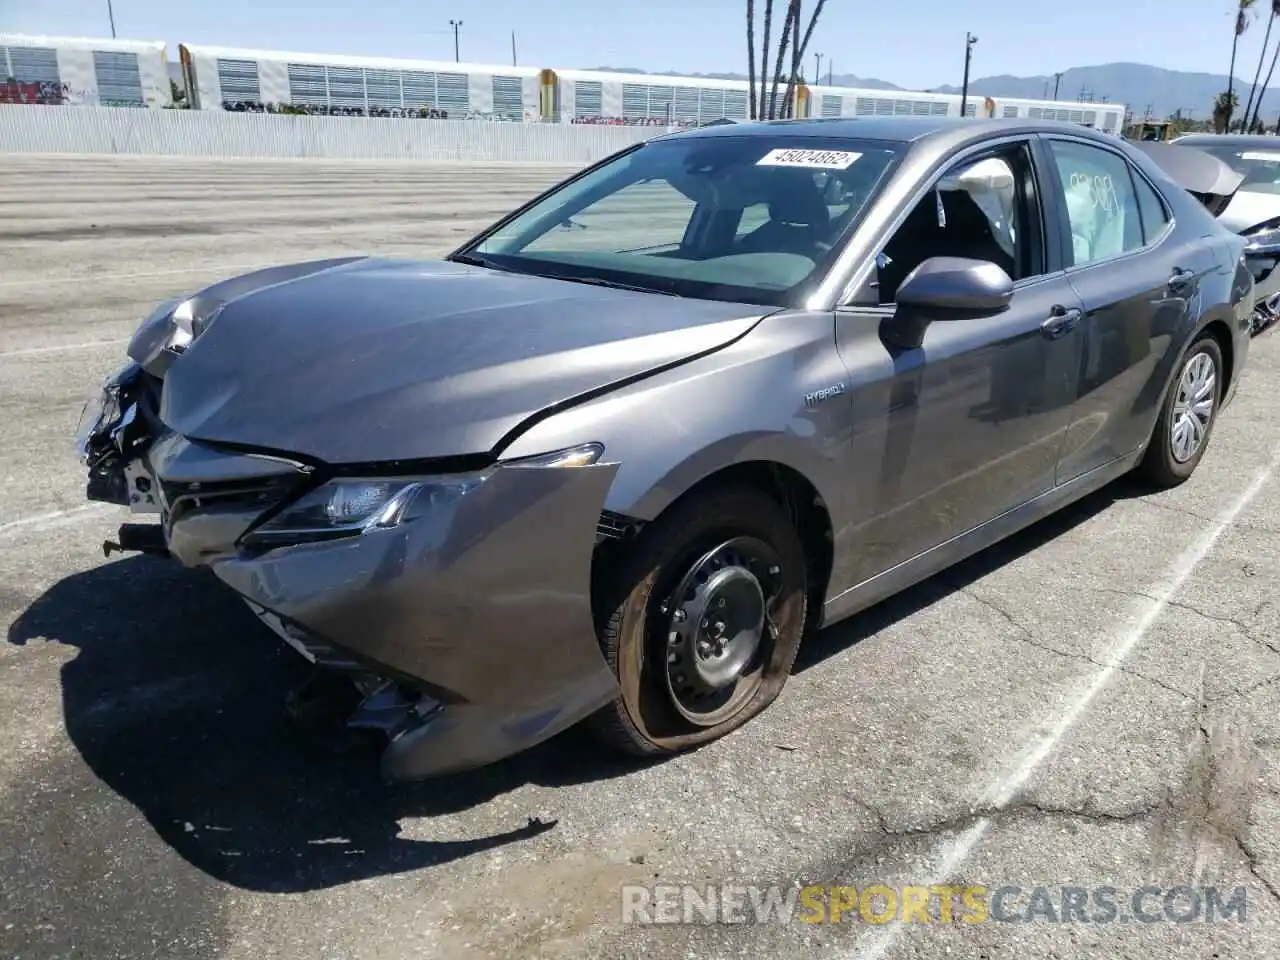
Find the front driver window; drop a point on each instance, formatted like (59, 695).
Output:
(972, 212)
(1102, 208)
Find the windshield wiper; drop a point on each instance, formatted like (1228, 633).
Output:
(471, 260)
(616, 285)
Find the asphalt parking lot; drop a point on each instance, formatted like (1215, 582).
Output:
(1090, 704)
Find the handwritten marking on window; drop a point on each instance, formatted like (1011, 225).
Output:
(1099, 189)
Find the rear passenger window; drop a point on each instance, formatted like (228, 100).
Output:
(1102, 206)
(1154, 216)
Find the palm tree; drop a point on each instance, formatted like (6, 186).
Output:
(764, 55)
(803, 45)
(1222, 109)
(1244, 12)
(1266, 39)
(784, 41)
(1257, 107)
(751, 57)
(788, 99)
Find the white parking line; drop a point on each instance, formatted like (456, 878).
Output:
(54, 518)
(33, 351)
(222, 268)
(950, 855)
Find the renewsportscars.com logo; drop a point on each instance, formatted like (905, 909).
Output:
(970, 903)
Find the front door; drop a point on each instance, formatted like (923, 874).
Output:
(970, 424)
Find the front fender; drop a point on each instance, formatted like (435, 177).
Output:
(780, 394)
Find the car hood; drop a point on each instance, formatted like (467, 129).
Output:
(359, 361)
(1248, 209)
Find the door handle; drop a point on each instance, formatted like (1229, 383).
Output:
(1061, 321)
(1180, 278)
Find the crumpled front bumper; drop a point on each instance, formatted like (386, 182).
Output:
(485, 608)
(469, 629)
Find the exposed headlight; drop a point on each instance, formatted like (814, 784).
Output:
(1263, 238)
(347, 507)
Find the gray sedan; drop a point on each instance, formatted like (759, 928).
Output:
(616, 456)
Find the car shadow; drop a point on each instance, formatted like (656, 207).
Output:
(842, 636)
(175, 700)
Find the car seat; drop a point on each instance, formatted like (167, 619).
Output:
(967, 232)
(799, 220)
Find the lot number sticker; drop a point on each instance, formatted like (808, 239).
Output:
(1260, 155)
(813, 159)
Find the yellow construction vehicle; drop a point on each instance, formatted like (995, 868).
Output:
(1160, 131)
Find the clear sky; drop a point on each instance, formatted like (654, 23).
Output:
(916, 45)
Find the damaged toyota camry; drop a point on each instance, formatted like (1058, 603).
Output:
(614, 457)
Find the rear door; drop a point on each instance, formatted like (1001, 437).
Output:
(1136, 281)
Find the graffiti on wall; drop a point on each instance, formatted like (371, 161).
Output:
(633, 122)
(44, 92)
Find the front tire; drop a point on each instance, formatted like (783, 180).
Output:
(1186, 421)
(701, 622)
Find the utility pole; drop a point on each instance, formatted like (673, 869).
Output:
(111, 15)
(817, 68)
(513, 49)
(1057, 79)
(830, 70)
(457, 25)
(969, 41)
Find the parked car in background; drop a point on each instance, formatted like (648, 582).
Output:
(1254, 211)
(614, 457)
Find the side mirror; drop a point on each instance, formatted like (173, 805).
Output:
(956, 284)
(946, 288)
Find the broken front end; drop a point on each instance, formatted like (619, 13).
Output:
(456, 604)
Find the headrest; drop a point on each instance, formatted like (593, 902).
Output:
(797, 201)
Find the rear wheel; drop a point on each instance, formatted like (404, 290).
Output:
(1186, 420)
(702, 621)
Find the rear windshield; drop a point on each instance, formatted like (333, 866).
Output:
(750, 218)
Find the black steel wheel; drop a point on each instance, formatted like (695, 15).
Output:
(701, 621)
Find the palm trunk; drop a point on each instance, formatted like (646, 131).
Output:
(789, 105)
(1231, 73)
(1266, 38)
(764, 56)
(751, 58)
(1257, 107)
(803, 45)
(784, 40)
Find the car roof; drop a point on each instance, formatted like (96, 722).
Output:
(950, 132)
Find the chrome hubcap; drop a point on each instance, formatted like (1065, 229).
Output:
(1193, 408)
(717, 624)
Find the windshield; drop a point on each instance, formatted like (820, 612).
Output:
(749, 219)
(1259, 165)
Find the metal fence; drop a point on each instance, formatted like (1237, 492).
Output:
(197, 133)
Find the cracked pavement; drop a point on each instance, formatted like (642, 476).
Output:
(155, 804)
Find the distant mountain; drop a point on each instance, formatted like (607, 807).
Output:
(1136, 85)
(839, 79)
(1141, 87)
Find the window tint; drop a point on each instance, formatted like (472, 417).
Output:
(1102, 208)
(720, 217)
(649, 215)
(974, 211)
(1154, 217)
